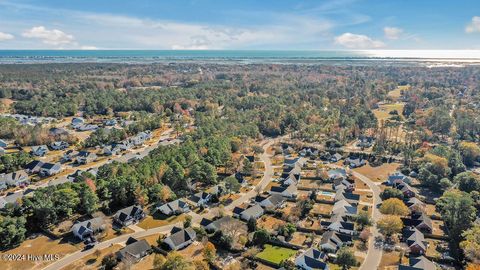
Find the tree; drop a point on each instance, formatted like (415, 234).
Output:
(458, 212)
(391, 193)
(363, 219)
(346, 258)
(158, 261)
(109, 261)
(209, 252)
(88, 200)
(394, 206)
(389, 225)
(187, 222)
(467, 181)
(175, 261)
(252, 224)
(287, 230)
(66, 201)
(471, 244)
(12, 231)
(261, 237)
(469, 151)
(232, 184)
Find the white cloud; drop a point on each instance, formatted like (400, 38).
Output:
(163, 34)
(51, 37)
(5, 36)
(354, 41)
(392, 32)
(474, 25)
(88, 48)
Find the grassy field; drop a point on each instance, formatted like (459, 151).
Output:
(276, 254)
(383, 112)
(92, 261)
(158, 220)
(37, 246)
(379, 173)
(397, 93)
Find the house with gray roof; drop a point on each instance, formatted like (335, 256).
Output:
(347, 196)
(129, 215)
(418, 263)
(59, 145)
(312, 259)
(3, 144)
(49, 169)
(34, 167)
(222, 224)
(254, 211)
(201, 198)
(286, 191)
(333, 241)
(15, 179)
(134, 251)
(176, 207)
(273, 201)
(415, 240)
(39, 150)
(85, 157)
(180, 238)
(88, 228)
(344, 208)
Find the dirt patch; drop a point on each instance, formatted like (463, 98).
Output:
(379, 173)
(158, 220)
(38, 246)
(269, 223)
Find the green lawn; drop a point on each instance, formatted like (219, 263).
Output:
(276, 254)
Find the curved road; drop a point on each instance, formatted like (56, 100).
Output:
(71, 258)
(374, 255)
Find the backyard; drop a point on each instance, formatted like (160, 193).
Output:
(276, 254)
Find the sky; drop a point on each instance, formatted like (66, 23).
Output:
(241, 24)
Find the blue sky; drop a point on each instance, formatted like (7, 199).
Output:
(245, 24)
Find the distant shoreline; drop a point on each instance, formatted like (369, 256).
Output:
(427, 57)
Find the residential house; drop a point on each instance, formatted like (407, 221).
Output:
(254, 212)
(3, 182)
(3, 144)
(312, 259)
(49, 169)
(397, 178)
(336, 157)
(343, 184)
(34, 167)
(332, 241)
(290, 179)
(110, 122)
(201, 198)
(85, 157)
(240, 178)
(86, 127)
(176, 207)
(421, 221)
(415, 205)
(290, 162)
(288, 191)
(70, 155)
(77, 121)
(39, 150)
(355, 162)
(129, 215)
(223, 223)
(337, 174)
(180, 238)
(16, 179)
(365, 142)
(134, 251)
(271, 202)
(418, 263)
(343, 208)
(88, 228)
(339, 224)
(415, 240)
(406, 189)
(59, 145)
(347, 196)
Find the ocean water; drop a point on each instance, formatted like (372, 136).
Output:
(235, 56)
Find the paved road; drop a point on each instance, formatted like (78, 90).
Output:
(135, 153)
(267, 177)
(71, 258)
(196, 218)
(374, 255)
